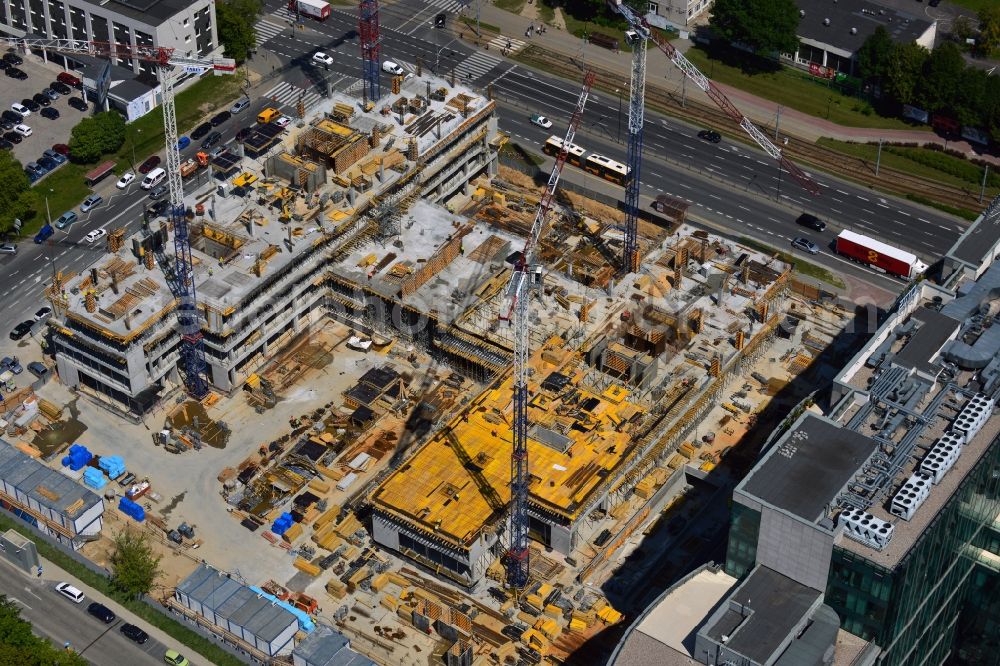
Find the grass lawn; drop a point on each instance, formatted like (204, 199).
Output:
(974, 5)
(797, 90)
(546, 13)
(803, 267)
(483, 27)
(173, 628)
(513, 6)
(65, 189)
(931, 164)
(193, 104)
(576, 27)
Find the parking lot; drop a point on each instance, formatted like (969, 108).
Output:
(44, 132)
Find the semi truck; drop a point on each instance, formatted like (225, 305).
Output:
(879, 255)
(317, 9)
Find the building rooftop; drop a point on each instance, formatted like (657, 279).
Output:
(922, 349)
(862, 16)
(978, 242)
(762, 614)
(809, 467)
(148, 12)
(327, 647)
(664, 634)
(44, 485)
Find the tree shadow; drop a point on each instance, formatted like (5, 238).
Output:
(750, 64)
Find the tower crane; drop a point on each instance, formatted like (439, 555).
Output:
(515, 309)
(181, 279)
(643, 33)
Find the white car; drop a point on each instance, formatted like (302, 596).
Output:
(541, 121)
(125, 180)
(95, 235)
(392, 68)
(282, 122)
(22, 129)
(20, 108)
(70, 592)
(322, 58)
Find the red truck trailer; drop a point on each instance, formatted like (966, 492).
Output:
(879, 255)
(317, 9)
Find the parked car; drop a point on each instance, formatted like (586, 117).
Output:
(11, 363)
(211, 140)
(66, 219)
(134, 633)
(15, 73)
(41, 99)
(20, 109)
(220, 118)
(541, 121)
(13, 59)
(51, 94)
(322, 58)
(390, 67)
(4, 64)
(91, 202)
(811, 221)
(31, 105)
(101, 612)
(38, 369)
(21, 330)
(43, 313)
(8, 248)
(201, 130)
(175, 658)
(183, 142)
(158, 192)
(151, 163)
(95, 235)
(78, 104)
(61, 148)
(61, 88)
(55, 154)
(70, 592)
(13, 137)
(6, 145)
(710, 135)
(125, 180)
(47, 163)
(239, 106)
(68, 79)
(50, 113)
(22, 129)
(805, 245)
(12, 116)
(6, 124)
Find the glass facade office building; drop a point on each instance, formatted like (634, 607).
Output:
(939, 602)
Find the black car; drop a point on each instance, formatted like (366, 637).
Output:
(151, 163)
(78, 104)
(50, 113)
(243, 133)
(60, 87)
(21, 330)
(4, 64)
(440, 20)
(211, 140)
(101, 612)
(42, 100)
(13, 59)
(13, 137)
(159, 208)
(6, 145)
(15, 73)
(12, 116)
(7, 125)
(31, 105)
(159, 192)
(811, 221)
(220, 118)
(710, 135)
(134, 633)
(47, 163)
(201, 130)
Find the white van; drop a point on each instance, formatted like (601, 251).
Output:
(70, 592)
(153, 178)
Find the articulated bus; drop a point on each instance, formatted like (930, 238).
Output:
(599, 165)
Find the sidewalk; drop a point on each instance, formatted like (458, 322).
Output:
(51, 573)
(761, 111)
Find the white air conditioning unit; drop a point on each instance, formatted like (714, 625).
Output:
(910, 496)
(940, 459)
(973, 416)
(866, 528)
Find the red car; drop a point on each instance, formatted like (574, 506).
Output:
(149, 164)
(62, 149)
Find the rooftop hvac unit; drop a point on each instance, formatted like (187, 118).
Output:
(973, 416)
(866, 528)
(940, 459)
(910, 496)
(956, 438)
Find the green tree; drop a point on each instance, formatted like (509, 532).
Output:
(136, 567)
(764, 26)
(906, 65)
(235, 22)
(16, 198)
(942, 78)
(989, 29)
(18, 645)
(875, 55)
(96, 136)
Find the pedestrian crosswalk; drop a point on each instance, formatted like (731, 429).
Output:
(284, 14)
(285, 94)
(449, 5)
(507, 45)
(266, 30)
(475, 66)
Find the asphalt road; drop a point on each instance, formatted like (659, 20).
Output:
(672, 152)
(60, 620)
